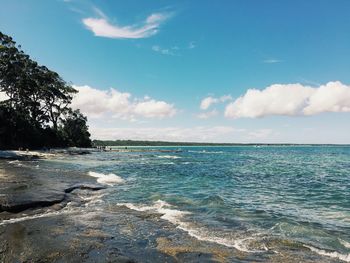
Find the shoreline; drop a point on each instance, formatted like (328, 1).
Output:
(83, 225)
(41, 154)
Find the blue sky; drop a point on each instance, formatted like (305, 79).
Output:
(145, 68)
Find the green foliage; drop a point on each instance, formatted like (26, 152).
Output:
(165, 143)
(37, 106)
(155, 143)
(75, 131)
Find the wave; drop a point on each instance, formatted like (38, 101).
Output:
(344, 243)
(213, 200)
(108, 179)
(15, 162)
(169, 163)
(65, 210)
(332, 254)
(68, 209)
(169, 156)
(206, 152)
(176, 217)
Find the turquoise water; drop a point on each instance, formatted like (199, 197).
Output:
(240, 197)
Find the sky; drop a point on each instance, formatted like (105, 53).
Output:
(243, 71)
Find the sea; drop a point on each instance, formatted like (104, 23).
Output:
(255, 200)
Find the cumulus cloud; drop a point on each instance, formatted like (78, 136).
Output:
(194, 134)
(154, 109)
(102, 27)
(291, 100)
(98, 103)
(208, 101)
(332, 97)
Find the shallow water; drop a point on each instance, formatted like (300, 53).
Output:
(262, 201)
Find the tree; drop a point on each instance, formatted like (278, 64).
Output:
(75, 130)
(31, 88)
(37, 104)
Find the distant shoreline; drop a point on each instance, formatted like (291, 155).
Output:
(132, 143)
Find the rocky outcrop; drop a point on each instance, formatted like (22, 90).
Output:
(20, 202)
(92, 187)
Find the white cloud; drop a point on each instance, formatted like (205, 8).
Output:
(100, 13)
(291, 99)
(261, 134)
(102, 27)
(98, 103)
(192, 45)
(154, 109)
(272, 61)
(332, 97)
(164, 51)
(193, 134)
(207, 115)
(208, 101)
(174, 50)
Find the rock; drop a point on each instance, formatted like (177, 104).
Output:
(79, 152)
(91, 187)
(19, 203)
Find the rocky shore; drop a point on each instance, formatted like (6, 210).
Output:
(56, 218)
(53, 215)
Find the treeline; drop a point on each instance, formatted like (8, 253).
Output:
(34, 109)
(158, 143)
(167, 143)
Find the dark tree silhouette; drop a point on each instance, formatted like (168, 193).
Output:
(36, 110)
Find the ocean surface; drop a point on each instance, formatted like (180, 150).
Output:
(259, 200)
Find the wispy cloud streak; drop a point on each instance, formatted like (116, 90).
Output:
(102, 27)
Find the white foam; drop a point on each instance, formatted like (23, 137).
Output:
(169, 156)
(169, 163)
(65, 210)
(161, 207)
(109, 179)
(344, 243)
(15, 162)
(176, 217)
(207, 152)
(332, 254)
(68, 209)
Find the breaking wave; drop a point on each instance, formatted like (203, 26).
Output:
(176, 217)
(332, 254)
(108, 179)
(169, 156)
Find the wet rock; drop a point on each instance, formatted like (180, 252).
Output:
(76, 152)
(19, 157)
(19, 203)
(92, 187)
